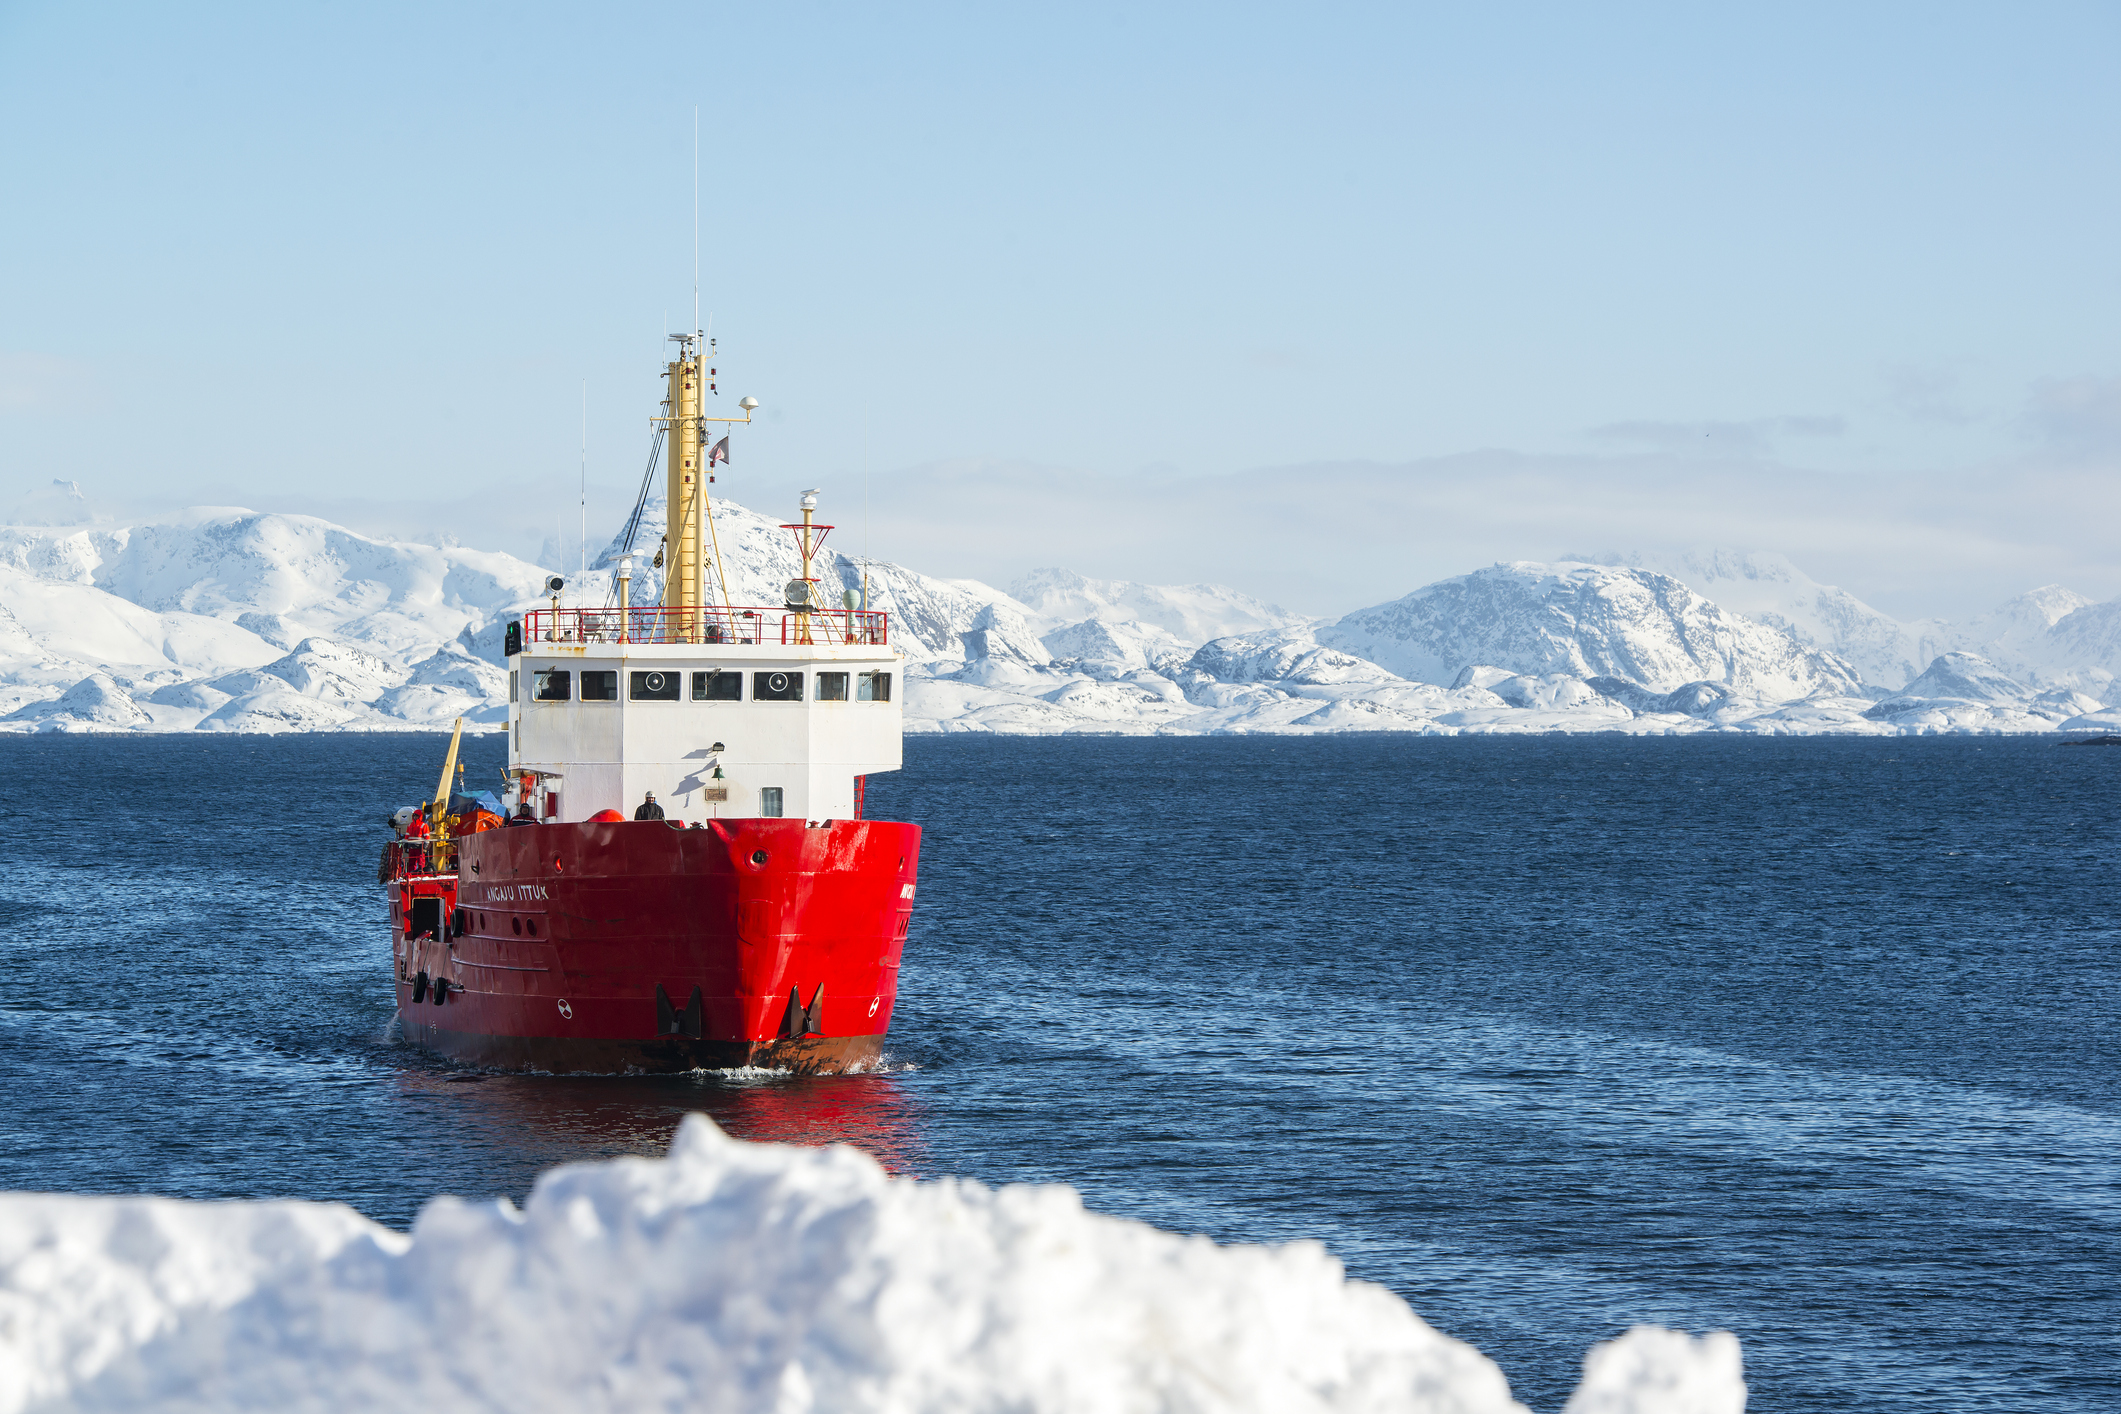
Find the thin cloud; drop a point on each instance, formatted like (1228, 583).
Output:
(37, 382)
(2079, 415)
(1931, 395)
(1757, 437)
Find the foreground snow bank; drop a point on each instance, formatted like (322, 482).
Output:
(733, 1276)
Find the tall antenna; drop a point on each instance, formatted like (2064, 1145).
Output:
(695, 219)
(865, 500)
(585, 482)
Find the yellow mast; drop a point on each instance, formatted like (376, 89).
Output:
(686, 585)
(685, 487)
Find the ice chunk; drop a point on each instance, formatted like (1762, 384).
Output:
(1655, 1371)
(734, 1276)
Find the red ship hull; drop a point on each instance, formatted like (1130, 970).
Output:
(641, 946)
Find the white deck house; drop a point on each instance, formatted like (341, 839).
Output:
(722, 728)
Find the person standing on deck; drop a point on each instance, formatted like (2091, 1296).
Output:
(649, 809)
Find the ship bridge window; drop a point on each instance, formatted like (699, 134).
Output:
(715, 685)
(872, 687)
(776, 687)
(650, 687)
(770, 802)
(599, 686)
(832, 687)
(551, 685)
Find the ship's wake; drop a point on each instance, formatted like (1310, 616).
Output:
(885, 1064)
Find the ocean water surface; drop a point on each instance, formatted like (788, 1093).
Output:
(1810, 1040)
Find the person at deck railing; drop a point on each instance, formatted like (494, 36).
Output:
(649, 809)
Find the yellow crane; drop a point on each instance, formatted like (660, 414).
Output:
(438, 808)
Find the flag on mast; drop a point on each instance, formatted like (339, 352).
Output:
(719, 452)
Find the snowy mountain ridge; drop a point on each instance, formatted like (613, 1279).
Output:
(223, 619)
(2027, 636)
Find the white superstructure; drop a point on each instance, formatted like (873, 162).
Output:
(714, 729)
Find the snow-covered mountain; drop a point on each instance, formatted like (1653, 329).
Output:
(221, 619)
(2051, 636)
(1961, 692)
(1108, 628)
(1588, 621)
(279, 577)
(231, 620)
(1770, 590)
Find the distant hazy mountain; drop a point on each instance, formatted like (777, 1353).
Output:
(1191, 613)
(2051, 637)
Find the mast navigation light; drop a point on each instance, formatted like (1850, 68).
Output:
(810, 500)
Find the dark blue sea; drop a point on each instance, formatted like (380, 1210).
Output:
(1810, 1040)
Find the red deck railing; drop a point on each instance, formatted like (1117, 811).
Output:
(711, 624)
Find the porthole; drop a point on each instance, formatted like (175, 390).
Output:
(519, 926)
(758, 856)
(776, 687)
(531, 927)
(653, 687)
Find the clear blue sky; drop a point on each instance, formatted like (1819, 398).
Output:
(1264, 295)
